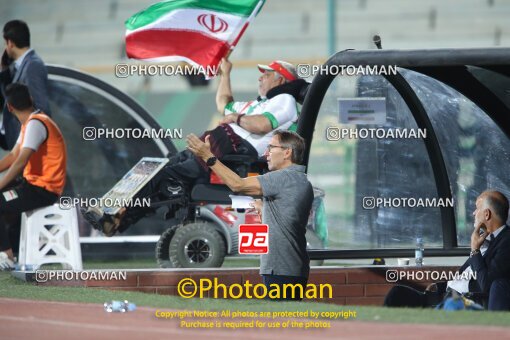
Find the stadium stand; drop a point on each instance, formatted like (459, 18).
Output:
(89, 35)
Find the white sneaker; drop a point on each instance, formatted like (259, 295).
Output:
(5, 262)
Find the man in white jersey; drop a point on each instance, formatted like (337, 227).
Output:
(255, 121)
(246, 129)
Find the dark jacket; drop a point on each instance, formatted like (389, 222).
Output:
(494, 264)
(33, 73)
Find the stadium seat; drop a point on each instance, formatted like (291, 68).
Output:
(50, 235)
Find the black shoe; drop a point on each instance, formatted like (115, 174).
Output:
(93, 216)
(99, 220)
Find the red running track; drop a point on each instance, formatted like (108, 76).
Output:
(44, 320)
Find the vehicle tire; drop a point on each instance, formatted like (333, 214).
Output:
(163, 247)
(197, 245)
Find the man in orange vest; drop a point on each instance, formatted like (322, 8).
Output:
(39, 155)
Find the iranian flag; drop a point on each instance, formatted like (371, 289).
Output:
(200, 32)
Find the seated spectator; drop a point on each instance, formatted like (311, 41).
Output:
(246, 128)
(491, 263)
(39, 156)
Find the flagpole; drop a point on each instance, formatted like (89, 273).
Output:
(245, 26)
(243, 29)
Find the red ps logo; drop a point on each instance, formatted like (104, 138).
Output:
(212, 23)
(253, 239)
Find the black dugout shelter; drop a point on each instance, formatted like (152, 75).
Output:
(462, 98)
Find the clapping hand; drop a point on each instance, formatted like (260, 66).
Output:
(199, 148)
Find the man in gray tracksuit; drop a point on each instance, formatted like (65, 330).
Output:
(287, 201)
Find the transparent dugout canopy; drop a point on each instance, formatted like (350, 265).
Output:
(461, 98)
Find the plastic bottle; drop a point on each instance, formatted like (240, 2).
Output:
(119, 306)
(418, 252)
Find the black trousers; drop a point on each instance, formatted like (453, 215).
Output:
(281, 280)
(405, 296)
(499, 295)
(19, 197)
(182, 169)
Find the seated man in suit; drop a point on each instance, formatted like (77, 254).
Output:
(20, 64)
(492, 268)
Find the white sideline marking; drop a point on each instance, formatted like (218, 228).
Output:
(119, 239)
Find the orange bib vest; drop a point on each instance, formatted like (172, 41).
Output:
(46, 168)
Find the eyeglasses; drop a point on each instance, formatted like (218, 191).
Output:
(270, 147)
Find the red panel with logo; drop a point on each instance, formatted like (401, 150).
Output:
(253, 239)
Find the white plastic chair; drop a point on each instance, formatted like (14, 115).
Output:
(50, 235)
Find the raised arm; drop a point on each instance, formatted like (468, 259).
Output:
(224, 93)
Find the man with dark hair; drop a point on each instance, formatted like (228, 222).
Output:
(287, 200)
(20, 64)
(39, 155)
(490, 263)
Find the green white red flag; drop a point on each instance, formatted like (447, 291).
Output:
(200, 32)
